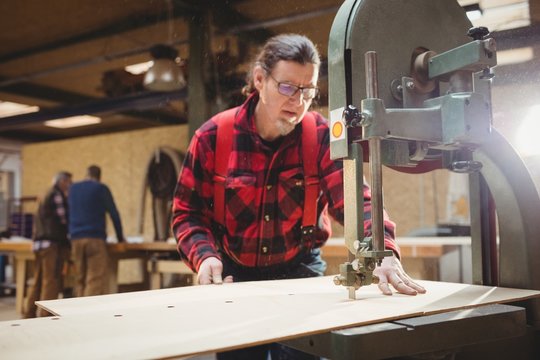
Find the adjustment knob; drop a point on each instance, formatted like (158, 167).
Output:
(478, 33)
(352, 116)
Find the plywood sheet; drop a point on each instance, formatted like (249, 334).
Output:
(200, 319)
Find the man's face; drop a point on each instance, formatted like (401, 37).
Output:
(283, 111)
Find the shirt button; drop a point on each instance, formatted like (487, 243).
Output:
(268, 187)
(266, 217)
(264, 249)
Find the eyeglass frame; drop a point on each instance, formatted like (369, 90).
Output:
(297, 88)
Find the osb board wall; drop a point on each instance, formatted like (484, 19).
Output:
(123, 158)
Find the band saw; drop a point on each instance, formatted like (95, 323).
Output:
(410, 88)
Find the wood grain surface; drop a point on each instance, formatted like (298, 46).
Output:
(202, 319)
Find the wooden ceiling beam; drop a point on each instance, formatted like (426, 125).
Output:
(119, 27)
(82, 102)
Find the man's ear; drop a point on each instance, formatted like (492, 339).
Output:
(259, 75)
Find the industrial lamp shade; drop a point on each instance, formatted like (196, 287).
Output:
(165, 74)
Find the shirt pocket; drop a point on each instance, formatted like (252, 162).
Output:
(291, 194)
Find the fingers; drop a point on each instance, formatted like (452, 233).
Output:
(228, 279)
(208, 278)
(216, 276)
(391, 272)
(385, 289)
(410, 284)
(210, 272)
(402, 285)
(420, 289)
(204, 278)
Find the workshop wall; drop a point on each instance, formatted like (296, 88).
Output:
(414, 202)
(123, 158)
(409, 199)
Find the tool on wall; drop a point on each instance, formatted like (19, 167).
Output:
(160, 178)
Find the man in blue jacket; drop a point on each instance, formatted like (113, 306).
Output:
(88, 201)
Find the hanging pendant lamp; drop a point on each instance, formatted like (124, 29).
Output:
(165, 74)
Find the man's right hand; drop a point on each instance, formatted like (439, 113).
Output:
(210, 272)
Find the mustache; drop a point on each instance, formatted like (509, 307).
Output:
(293, 120)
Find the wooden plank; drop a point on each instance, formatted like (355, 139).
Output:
(201, 319)
(15, 246)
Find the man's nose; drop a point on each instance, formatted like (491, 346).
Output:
(297, 98)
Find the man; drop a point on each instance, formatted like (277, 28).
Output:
(50, 245)
(89, 201)
(261, 235)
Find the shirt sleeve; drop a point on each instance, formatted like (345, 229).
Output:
(192, 212)
(110, 206)
(60, 208)
(332, 186)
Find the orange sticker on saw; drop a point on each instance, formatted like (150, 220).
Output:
(337, 129)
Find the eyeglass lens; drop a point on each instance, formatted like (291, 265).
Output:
(290, 90)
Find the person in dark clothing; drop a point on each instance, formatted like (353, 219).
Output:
(89, 200)
(51, 245)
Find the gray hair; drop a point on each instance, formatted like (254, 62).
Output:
(61, 175)
(288, 47)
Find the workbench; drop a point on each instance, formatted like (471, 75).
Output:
(445, 258)
(184, 321)
(421, 255)
(21, 249)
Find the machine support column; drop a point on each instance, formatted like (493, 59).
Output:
(377, 225)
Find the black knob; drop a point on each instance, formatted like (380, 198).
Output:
(478, 33)
(352, 116)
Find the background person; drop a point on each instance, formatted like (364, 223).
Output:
(89, 201)
(50, 245)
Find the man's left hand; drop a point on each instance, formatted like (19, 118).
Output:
(391, 272)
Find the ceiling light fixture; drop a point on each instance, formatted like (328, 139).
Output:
(515, 56)
(165, 74)
(140, 68)
(473, 11)
(73, 121)
(8, 108)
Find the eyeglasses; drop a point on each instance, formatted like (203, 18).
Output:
(290, 90)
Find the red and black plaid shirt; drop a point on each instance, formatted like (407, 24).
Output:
(264, 196)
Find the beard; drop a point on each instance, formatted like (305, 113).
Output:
(285, 126)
